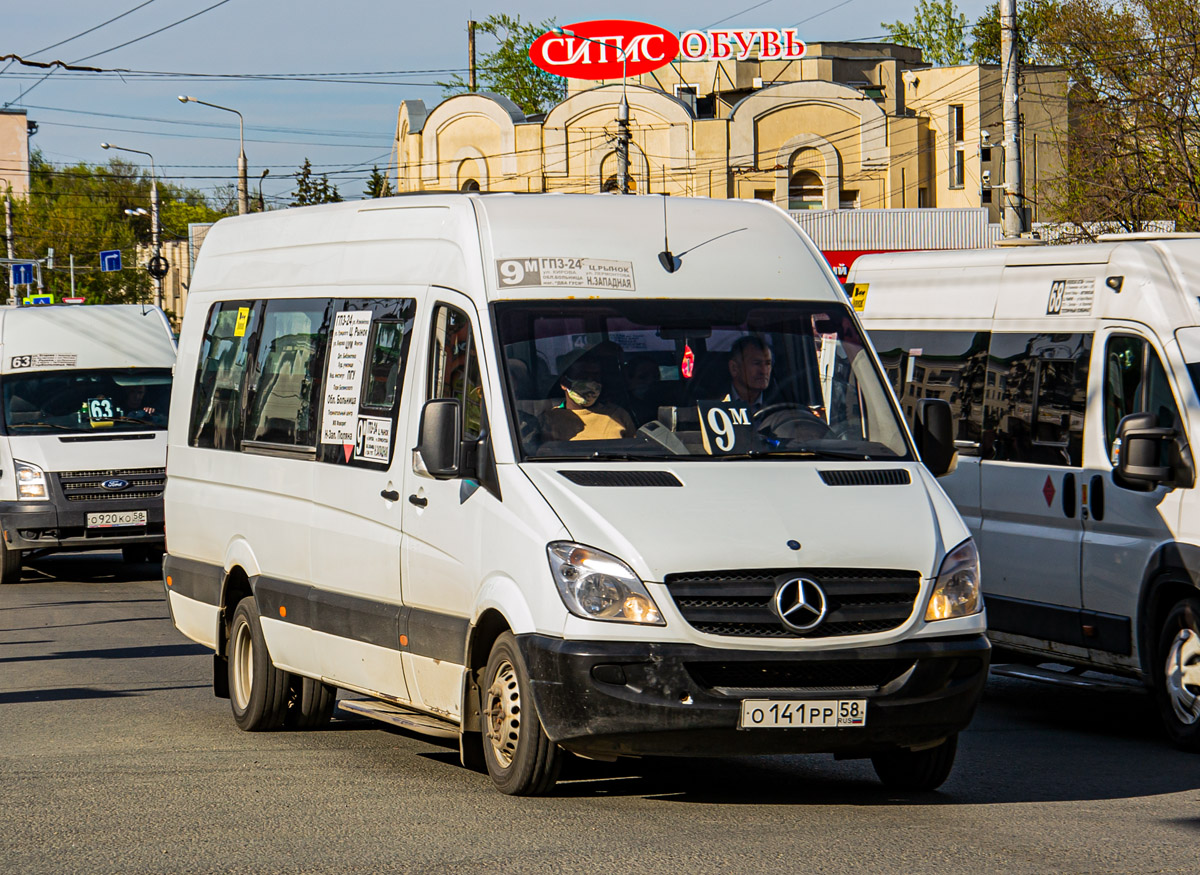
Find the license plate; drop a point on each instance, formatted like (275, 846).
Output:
(803, 713)
(110, 519)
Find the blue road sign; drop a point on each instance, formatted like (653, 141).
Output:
(110, 260)
(22, 274)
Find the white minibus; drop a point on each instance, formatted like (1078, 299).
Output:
(84, 394)
(1072, 375)
(615, 476)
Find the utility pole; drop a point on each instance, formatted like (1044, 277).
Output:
(1014, 199)
(471, 55)
(8, 234)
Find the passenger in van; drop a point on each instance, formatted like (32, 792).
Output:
(750, 365)
(642, 381)
(580, 416)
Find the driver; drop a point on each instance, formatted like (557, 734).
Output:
(750, 372)
(579, 417)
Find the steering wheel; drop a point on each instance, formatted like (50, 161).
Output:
(782, 422)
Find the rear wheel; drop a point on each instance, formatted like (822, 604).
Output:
(520, 758)
(258, 691)
(916, 770)
(10, 564)
(310, 703)
(1178, 685)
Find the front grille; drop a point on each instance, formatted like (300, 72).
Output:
(144, 484)
(860, 601)
(734, 678)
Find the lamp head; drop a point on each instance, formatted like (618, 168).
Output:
(183, 98)
(562, 31)
(106, 145)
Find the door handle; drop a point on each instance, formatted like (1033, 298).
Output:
(1068, 495)
(1097, 498)
(390, 494)
(418, 500)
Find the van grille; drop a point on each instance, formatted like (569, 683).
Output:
(741, 603)
(144, 483)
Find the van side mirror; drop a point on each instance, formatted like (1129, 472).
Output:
(933, 431)
(440, 441)
(1138, 449)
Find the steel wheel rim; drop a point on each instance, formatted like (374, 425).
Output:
(243, 666)
(502, 714)
(1183, 676)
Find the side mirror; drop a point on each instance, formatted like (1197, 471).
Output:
(933, 431)
(1138, 448)
(440, 442)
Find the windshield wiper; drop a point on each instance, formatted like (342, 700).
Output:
(803, 451)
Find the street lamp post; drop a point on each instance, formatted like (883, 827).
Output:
(157, 263)
(243, 188)
(622, 110)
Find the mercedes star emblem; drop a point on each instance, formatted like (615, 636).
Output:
(800, 603)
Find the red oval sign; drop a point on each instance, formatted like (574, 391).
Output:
(642, 47)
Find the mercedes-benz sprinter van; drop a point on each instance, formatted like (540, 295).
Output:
(1072, 372)
(84, 393)
(610, 475)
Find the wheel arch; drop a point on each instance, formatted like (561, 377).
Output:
(1172, 573)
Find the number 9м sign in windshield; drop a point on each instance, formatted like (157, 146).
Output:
(647, 47)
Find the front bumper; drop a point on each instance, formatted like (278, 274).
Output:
(638, 699)
(58, 524)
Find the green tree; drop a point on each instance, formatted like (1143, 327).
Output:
(508, 69)
(938, 29)
(313, 189)
(378, 185)
(1034, 17)
(79, 210)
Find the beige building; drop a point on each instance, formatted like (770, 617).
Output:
(14, 152)
(848, 126)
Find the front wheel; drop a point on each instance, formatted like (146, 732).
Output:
(520, 758)
(258, 691)
(10, 564)
(916, 770)
(1178, 685)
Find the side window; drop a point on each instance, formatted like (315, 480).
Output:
(217, 400)
(1135, 382)
(286, 377)
(951, 365)
(454, 367)
(1036, 412)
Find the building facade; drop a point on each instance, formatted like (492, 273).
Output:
(847, 126)
(14, 152)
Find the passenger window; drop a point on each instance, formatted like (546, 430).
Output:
(217, 400)
(951, 365)
(454, 367)
(1036, 413)
(289, 364)
(385, 364)
(1135, 382)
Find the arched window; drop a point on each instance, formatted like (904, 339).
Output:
(806, 191)
(469, 185)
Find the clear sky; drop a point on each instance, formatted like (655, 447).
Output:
(343, 124)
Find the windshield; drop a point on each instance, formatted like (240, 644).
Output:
(698, 379)
(45, 402)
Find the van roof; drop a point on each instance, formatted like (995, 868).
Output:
(464, 241)
(92, 336)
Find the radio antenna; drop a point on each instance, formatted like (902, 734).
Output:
(667, 258)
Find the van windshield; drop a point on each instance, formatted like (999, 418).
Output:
(45, 402)
(701, 379)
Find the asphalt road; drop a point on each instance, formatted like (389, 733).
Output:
(116, 757)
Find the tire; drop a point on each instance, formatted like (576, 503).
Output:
(310, 703)
(521, 760)
(1177, 670)
(258, 691)
(916, 771)
(10, 564)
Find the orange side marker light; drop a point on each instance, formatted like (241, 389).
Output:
(282, 611)
(170, 582)
(403, 640)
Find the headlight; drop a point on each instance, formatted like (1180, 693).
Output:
(597, 586)
(956, 591)
(31, 481)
